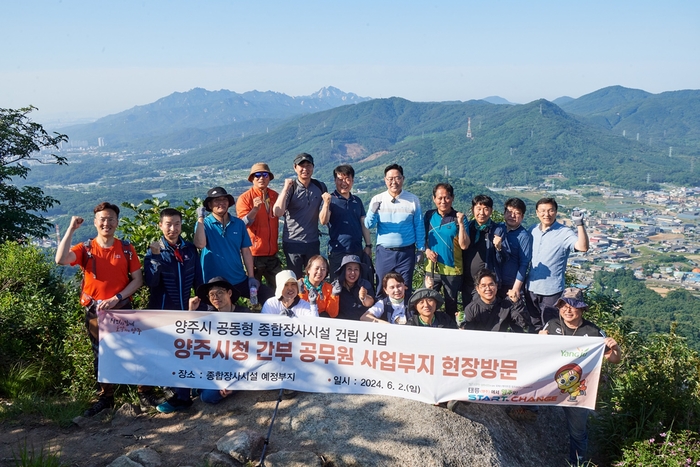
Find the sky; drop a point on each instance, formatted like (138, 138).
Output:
(75, 59)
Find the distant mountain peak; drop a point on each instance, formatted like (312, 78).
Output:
(498, 100)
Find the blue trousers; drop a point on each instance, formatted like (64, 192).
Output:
(401, 260)
(576, 421)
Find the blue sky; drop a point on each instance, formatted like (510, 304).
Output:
(74, 58)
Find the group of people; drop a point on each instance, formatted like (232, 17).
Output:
(509, 278)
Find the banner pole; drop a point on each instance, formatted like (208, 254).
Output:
(269, 430)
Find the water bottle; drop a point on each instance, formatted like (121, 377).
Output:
(253, 295)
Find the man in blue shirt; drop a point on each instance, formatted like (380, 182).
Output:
(552, 243)
(519, 250)
(344, 214)
(223, 240)
(400, 228)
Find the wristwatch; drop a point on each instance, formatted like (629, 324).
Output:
(119, 297)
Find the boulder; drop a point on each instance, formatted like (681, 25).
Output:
(242, 445)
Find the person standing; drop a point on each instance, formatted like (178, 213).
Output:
(111, 275)
(571, 323)
(519, 245)
(223, 241)
(446, 238)
(400, 230)
(552, 243)
(172, 270)
(344, 214)
(300, 203)
(255, 208)
(172, 267)
(485, 245)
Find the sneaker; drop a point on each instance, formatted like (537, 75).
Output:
(104, 402)
(174, 405)
(452, 405)
(149, 400)
(521, 414)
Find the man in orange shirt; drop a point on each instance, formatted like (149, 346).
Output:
(111, 274)
(254, 208)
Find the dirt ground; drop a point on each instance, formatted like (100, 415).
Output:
(181, 438)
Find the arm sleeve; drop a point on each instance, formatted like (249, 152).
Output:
(371, 217)
(525, 240)
(151, 267)
(419, 226)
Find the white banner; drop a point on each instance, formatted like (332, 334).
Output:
(246, 351)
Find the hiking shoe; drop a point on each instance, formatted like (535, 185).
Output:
(452, 405)
(521, 414)
(149, 400)
(104, 402)
(174, 405)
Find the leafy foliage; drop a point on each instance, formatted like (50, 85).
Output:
(668, 449)
(20, 142)
(655, 387)
(141, 228)
(648, 311)
(36, 310)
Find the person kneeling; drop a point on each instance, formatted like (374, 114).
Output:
(217, 294)
(286, 300)
(423, 305)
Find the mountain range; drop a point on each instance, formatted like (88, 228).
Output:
(203, 112)
(220, 134)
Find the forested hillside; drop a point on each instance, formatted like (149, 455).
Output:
(648, 311)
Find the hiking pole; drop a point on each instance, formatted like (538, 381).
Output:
(269, 430)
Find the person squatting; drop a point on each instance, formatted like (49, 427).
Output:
(510, 278)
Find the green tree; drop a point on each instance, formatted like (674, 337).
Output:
(22, 141)
(37, 308)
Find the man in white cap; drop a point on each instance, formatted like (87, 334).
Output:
(255, 208)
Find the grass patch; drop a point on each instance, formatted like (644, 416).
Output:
(28, 456)
(58, 410)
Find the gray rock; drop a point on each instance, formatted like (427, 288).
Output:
(217, 459)
(354, 430)
(124, 461)
(146, 457)
(242, 445)
(125, 414)
(293, 459)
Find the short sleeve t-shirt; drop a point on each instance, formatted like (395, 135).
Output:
(107, 272)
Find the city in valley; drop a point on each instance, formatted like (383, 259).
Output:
(654, 233)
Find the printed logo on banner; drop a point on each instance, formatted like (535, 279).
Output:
(579, 353)
(570, 381)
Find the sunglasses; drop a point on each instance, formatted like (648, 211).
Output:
(261, 174)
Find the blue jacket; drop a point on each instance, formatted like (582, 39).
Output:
(169, 280)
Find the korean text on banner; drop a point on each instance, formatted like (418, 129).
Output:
(246, 351)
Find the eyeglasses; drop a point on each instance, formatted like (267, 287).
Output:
(216, 294)
(490, 285)
(261, 174)
(394, 179)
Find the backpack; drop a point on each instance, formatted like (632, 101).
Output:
(87, 244)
